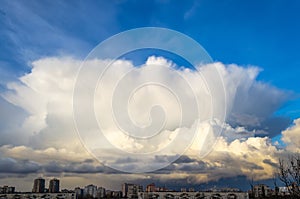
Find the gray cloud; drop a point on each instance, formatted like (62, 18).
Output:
(10, 165)
(126, 160)
(255, 102)
(77, 168)
(270, 162)
(184, 159)
(11, 119)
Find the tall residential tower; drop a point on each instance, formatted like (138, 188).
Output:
(38, 185)
(54, 186)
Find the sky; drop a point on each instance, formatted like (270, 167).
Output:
(45, 73)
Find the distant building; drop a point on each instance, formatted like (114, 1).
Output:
(261, 190)
(283, 191)
(113, 194)
(131, 190)
(185, 195)
(79, 192)
(66, 191)
(230, 189)
(54, 186)
(101, 192)
(90, 191)
(40, 196)
(191, 189)
(150, 187)
(161, 189)
(117, 194)
(7, 190)
(183, 189)
(38, 185)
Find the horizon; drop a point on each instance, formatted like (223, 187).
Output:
(197, 188)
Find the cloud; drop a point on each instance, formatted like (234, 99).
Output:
(253, 102)
(245, 157)
(49, 135)
(253, 157)
(268, 161)
(11, 120)
(76, 168)
(291, 137)
(10, 165)
(43, 155)
(51, 80)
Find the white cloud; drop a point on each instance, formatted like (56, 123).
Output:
(291, 137)
(46, 95)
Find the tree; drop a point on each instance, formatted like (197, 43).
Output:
(289, 174)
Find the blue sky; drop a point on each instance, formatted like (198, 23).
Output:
(264, 34)
(260, 33)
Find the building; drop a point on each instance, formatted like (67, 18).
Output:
(39, 196)
(101, 192)
(131, 190)
(161, 189)
(191, 189)
(79, 192)
(38, 185)
(54, 186)
(194, 195)
(261, 190)
(7, 190)
(90, 191)
(117, 194)
(113, 194)
(150, 187)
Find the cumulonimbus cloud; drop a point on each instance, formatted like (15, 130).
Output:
(46, 94)
(291, 137)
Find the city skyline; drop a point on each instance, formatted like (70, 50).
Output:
(129, 190)
(153, 118)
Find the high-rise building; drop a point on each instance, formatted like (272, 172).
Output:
(101, 192)
(54, 186)
(79, 192)
(124, 189)
(38, 185)
(131, 190)
(90, 191)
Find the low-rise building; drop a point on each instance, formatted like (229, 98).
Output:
(38, 196)
(261, 190)
(193, 195)
(7, 189)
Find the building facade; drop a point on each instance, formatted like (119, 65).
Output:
(150, 187)
(54, 186)
(90, 191)
(38, 185)
(261, 190)
(101, 192)
(7, 189)
(131, 190)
